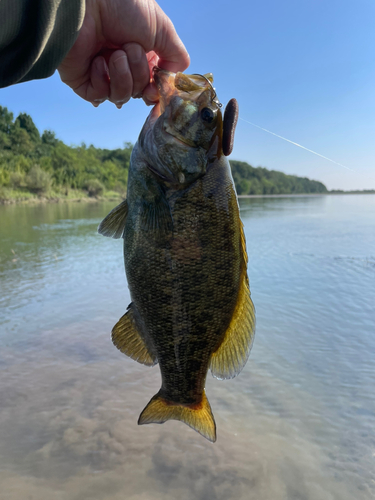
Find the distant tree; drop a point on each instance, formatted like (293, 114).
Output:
(243, 186)
(20, 163)
(255, 187)
(94, 187)
(4, 177)
(6, 121)
(20, 142)
(26, 122)
(64, 165)
(4, 140)
(49, 138)
(17, 179)
(250, 180)
(38, 181)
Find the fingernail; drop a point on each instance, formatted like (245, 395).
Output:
(118, 106)
(95, 104)
(121, 65)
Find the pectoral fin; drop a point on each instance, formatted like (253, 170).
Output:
(113, 224)
(156, 215)
(233, 353)
(128, 340)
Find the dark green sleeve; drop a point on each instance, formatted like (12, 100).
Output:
(35, 36)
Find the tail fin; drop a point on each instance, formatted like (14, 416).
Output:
(199, 417)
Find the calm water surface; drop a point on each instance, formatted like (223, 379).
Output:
(297, 424)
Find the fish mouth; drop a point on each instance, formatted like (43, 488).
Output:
(164, 81)
(169, 84)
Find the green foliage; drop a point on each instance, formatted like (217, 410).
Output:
(250, 180)
(49, 138)
(38, 180)
(37, 163)
(4, 177)
(17, 179)
(25, 122)
(6, 119)
(94, 187)
(62, 167)
(20, 141)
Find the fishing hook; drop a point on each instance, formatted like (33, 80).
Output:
(216, 101)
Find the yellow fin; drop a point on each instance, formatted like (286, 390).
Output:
(113, 224)
(234, 351)
(128, 340)
(198, 417)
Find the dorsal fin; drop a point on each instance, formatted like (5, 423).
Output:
(128, 340)
(113, 224)
(231, 356)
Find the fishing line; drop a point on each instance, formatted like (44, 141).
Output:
(299, 145)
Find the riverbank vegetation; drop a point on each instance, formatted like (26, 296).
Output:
(36, 166)
(250, 180)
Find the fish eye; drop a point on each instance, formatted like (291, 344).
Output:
(207, 115)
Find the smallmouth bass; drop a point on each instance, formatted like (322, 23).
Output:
(185, 253)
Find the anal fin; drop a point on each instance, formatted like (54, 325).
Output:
(113, 224)
(128, 340)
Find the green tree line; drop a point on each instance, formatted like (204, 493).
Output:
(250, 180)
(38, 162)
(34, 162)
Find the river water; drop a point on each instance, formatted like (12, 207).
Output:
(297, 424)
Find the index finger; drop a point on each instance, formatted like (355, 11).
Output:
(172, 53)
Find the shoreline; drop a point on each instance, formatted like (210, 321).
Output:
(300, 195)
(43, 199)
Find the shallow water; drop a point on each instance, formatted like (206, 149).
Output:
(298, 423)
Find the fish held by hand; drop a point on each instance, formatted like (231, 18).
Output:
(185, 252)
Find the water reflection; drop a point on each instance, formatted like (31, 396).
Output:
(298, 422)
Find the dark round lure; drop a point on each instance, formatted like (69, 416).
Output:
(229, 126)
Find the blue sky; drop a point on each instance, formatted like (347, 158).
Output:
(303, 69)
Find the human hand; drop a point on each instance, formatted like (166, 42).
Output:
(118, 45)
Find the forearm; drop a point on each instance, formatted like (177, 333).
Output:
(35, 36)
